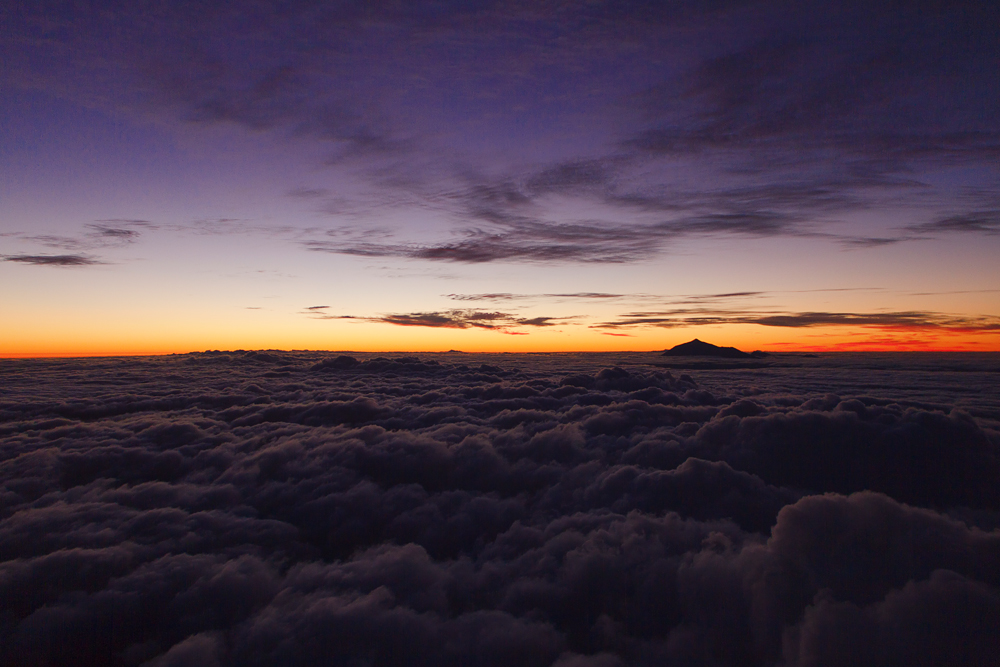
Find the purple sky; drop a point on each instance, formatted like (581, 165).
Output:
(177, 175)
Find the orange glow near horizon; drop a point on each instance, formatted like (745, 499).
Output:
(384, 338)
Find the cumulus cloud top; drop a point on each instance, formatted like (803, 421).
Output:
(293, 508)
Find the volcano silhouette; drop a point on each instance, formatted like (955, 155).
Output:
(697, 348)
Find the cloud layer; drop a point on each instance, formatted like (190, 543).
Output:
(289, 508)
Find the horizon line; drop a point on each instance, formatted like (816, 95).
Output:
(102, 355)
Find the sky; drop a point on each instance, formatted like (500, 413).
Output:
(498, 176)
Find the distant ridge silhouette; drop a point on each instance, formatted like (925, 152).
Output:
(697, 348)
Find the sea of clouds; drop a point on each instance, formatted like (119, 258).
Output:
(302, 508)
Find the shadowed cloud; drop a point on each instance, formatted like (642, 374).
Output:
(99, 234)
(516, 238)
(307, 193)
(981, 222)
(458, 319)
(106, 234)
(506, 296)
(912, 320)
(874, 242)
(53, 260)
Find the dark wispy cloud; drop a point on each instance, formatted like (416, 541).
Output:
(518, 222)
(53, 260)
(875, 241)
(482, 246)
(308, 193)
(979, 222)
(807, 80)
(686, 300)
(903, 320)
(507, 296)
(491, 296)
(107, 234)
(727, 295)
(975, 291)
(458, 319)
(95, 235)
(517, 238)
(56, 241)
(693, 311)
(240, 227)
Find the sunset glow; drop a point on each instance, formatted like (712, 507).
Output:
(493, 177)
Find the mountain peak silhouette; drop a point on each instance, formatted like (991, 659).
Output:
(698, 348)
